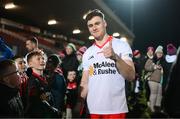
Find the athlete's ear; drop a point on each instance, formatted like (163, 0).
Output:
(105, 23)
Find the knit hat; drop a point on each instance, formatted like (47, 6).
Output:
(54, 59)
(136, 52)
(71, 45)
(159, 49)
(81, 50)
(171, 49)
(150, 48)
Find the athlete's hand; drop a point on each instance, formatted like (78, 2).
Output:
(108, 51)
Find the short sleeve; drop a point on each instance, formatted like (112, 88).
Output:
(123, 50)
(85, 63)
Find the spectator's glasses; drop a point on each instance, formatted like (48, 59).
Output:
(15, 72)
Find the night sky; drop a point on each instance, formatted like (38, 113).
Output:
(156, 22)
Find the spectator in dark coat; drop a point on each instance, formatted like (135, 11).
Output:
(170, 58)
(172, 96)
(10, 102)
(70, 60)
(56, 81)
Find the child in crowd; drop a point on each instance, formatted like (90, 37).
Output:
(39, 96)
(21, 67)
(72, 93)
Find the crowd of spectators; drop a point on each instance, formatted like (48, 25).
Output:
(47, 85)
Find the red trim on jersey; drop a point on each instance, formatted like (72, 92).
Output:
(108, 39)
(108, 116)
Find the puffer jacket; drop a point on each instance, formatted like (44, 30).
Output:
(155, 73)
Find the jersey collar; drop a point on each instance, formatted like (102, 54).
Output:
(101, 46)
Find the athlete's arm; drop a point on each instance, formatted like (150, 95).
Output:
(124, 67)
(84, 84)
(82, 94)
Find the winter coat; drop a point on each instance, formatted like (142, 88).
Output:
(37, 85)
(57, 86)
(155, 73)
(70, 62)
(172, 97)
(10, 102)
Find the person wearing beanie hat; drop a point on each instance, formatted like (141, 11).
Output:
(170, 58)
(138, 60)
(150, 52)
(157, 69)
(70, 60)
(70, 49)
(71, 45)
(148, 58)
(172, 97)
(171, 49)
(136, 52)
(159, 49)
(54, 59)
(150, 48)
(171, 53)
(56, 80)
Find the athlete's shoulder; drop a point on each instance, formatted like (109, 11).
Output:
(119, 42)
(90, 49)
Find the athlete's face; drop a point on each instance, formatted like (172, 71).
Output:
(97, 27)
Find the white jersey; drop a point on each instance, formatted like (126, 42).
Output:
(106, 87)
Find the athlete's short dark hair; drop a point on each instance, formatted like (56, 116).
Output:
(91, 14)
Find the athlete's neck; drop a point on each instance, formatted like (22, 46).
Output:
(102, 40)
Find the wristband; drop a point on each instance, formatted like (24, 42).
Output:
(115, 57)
